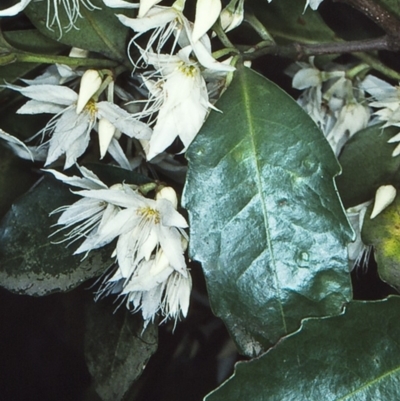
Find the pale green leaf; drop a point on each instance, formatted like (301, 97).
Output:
(383, 233)
(352, 357)
(266, 221)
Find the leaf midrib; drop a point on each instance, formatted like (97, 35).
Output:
(251, 132)
(369, 383)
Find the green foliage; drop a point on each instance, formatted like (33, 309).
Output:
(367, 163)
(12, 170)
(27, 254)
(116, 348)
(349, 357)
(287, 21)
(265, 220)
(28, 250)
(98, 30)
(383, 233)
(29, 40)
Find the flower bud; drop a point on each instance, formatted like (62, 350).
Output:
(169, 194)
(232, 16)
(90, 84)
(207, 12)
(106, 133)
(384, 196)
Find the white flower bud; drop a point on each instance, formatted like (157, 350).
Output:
(90, 84)
(106, 133)
(207, 12)
(384, 196)
(231, 17)
(169, 194)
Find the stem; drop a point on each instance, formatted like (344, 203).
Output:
(23, 57)
(255, 23)
(217, 28)
(301, 50)
(377, 65)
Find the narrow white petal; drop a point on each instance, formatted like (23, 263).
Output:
(14, 10)
(56, 94)
(145, 6)
(39, 107)
(115, 150)
(120, 4)
(124, 121)
(18, 146)
(160, 17)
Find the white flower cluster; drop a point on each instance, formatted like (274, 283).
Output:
(151, 272)
(334, 102)
(340, 108)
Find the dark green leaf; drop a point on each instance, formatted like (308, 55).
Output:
(16, 177)
(29, 262)
(287, 21)
(98, 30)
(383, 232)
(28, 40)
(266, 222)
(352, 357)
(367, 163)
(32, 40)
(116, 349)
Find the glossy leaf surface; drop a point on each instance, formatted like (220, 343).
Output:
(367, 163)
(29, 262)
(266, 222)
(116, 349)
(350, 357)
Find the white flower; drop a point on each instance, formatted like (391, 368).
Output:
(167, 21)
(142, 226)
(182, 98)
(387, 99)
(331, 100)
(352, 118)
(69, 130)
(87, 214)
(151, 272)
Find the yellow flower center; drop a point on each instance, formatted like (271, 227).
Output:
(91, 107)
(149, 214)
(188, 69)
